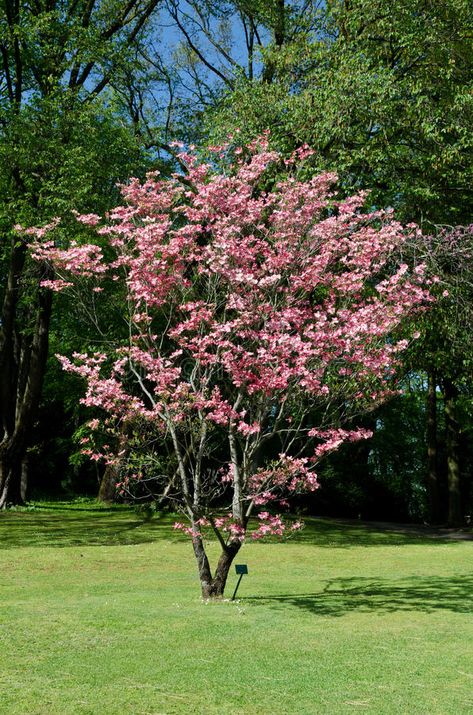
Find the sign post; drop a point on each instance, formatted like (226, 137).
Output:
(241, 570)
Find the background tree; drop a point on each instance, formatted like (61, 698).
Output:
(445, 356)
(382, 91)
(211, 47)
(60, 147)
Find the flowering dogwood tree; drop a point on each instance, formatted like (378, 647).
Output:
(258, 310)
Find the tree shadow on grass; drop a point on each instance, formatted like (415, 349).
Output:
(424, 594)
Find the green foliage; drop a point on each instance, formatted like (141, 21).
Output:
(383, 91)
(64, 144)
(398, 457)
(383, 478)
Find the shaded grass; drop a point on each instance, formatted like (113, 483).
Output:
(342, 595)
(62, 524)
(59, 525)
(341, 619)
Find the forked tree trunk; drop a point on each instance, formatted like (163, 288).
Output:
(213, 587)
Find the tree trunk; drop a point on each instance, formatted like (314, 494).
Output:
(24, 479)
(9, 359)
(107, 490)
(432, 450)
(27, 375)
(214, 587)
(279, 33)
(111, 475)
(7, 482)
(455, 511)
(14, 487)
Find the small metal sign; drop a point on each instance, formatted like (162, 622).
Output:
(241, 570)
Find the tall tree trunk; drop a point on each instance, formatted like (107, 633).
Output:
(111, 475)
(279, 34)
(213, 587)
(9, 360)
(19, 412)
(107, 490)
(24, 479)
(455, 511)
(432, 450)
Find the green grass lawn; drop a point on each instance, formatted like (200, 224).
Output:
(100, 613)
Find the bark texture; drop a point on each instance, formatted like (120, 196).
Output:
(23, 355)
(213, 587)
(433, 480)
(452, 442)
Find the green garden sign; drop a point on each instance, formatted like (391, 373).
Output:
(240, 570)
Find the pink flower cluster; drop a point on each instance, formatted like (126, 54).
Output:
(333, 438)
(287, 475)
(86, 260)
(228, 526)
(273, 525)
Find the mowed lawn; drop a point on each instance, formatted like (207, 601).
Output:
(101, 613)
